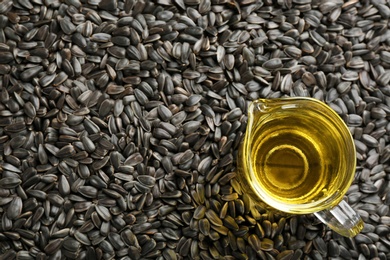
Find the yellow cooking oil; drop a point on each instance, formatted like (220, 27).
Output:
(295, 156)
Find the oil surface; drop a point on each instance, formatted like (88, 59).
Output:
(296, 159)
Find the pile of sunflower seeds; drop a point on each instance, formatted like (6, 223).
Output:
(120, 123)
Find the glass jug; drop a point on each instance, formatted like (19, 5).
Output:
(298, 156)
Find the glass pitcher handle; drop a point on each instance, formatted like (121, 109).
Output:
(342, 219)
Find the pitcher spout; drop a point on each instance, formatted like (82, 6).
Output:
(265, 106)
(260, 105)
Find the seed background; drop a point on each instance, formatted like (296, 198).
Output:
(120, 122)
